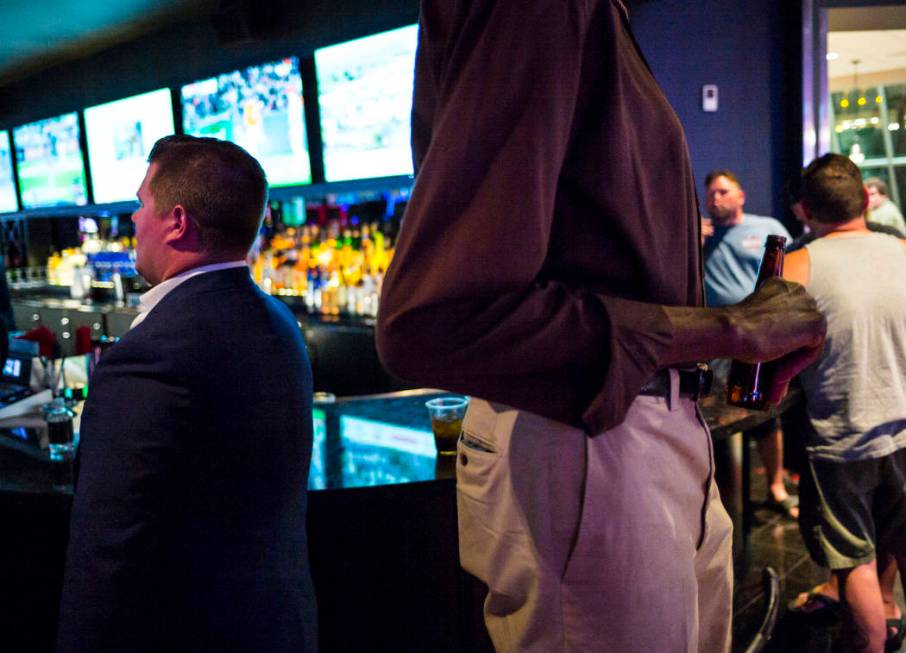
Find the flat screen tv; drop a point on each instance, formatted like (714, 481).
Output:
(120, 136)
(259, 108)
(376, 452)
(317, 474)
(49, 162)
(365, 102)
(8, 201)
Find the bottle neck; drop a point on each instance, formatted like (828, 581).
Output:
(771, 265)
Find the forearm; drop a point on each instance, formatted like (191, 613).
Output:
(781, 318)
(699, 334)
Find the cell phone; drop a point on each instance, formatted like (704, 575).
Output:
(475, 443)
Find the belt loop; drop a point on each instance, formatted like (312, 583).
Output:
(674, 388)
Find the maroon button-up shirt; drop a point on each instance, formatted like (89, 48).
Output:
(553, 212)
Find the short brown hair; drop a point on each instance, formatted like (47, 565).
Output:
(221, 186)
(714, 174)
(877, 183)
(832, 189)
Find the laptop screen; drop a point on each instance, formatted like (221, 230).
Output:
(17, 370)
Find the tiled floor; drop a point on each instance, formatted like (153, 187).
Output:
(775, 542)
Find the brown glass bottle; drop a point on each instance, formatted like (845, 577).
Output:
(748, 383)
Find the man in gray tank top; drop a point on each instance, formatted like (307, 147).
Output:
(856, 396)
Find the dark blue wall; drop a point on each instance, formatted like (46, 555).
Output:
(751, 51)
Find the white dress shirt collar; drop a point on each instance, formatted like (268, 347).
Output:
(152, 298)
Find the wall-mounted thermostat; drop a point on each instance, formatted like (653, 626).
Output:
(709, 97)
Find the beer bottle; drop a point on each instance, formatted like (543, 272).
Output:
(748, 383)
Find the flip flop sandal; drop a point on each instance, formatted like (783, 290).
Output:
(784, 507)
(816, 606)
(894, 641)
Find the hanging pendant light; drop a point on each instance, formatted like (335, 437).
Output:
(856, 91)
(862, 101)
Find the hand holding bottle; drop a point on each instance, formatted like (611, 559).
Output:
(780, 323)
(778, 317)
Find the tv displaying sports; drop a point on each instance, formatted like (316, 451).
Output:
(49, 162)
(8, 201)
(259, 108)
(365, 99)
(120, 136)
(377, 452)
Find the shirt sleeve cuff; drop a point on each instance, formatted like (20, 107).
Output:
(640, 333)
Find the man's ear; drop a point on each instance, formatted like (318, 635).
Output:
(179, 225)
(742, 197)
(805, 210)
(865, 199)
(796, 208)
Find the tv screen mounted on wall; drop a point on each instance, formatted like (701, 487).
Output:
(49, 162)
(259, 108)
(365, 101)
(120, 135)
(8, 201)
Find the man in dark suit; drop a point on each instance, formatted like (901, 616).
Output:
(188, 522)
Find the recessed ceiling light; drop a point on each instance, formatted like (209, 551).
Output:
(832, 55)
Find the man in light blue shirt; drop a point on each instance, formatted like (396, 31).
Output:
(733, 249)
(733, 252)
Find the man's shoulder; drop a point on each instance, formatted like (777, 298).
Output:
(889, 205)
(886, 211)
(207, 309)
(798, 254)
(247, 309)
(205, 295)
(764, 223)
(211, 314)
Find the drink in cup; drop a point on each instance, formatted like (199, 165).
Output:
(60, 443)
(446, 422)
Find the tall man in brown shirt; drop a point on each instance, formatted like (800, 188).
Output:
(549, 263)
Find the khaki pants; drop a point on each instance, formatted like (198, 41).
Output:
(612, 543)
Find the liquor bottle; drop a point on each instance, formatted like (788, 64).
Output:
(748, 383)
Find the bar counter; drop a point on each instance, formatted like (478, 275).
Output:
(366, 441)
(382, 531)
(29, 302)
(341, 348)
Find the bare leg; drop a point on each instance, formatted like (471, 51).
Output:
(770, 448)
(862, 593)
(887, 575)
